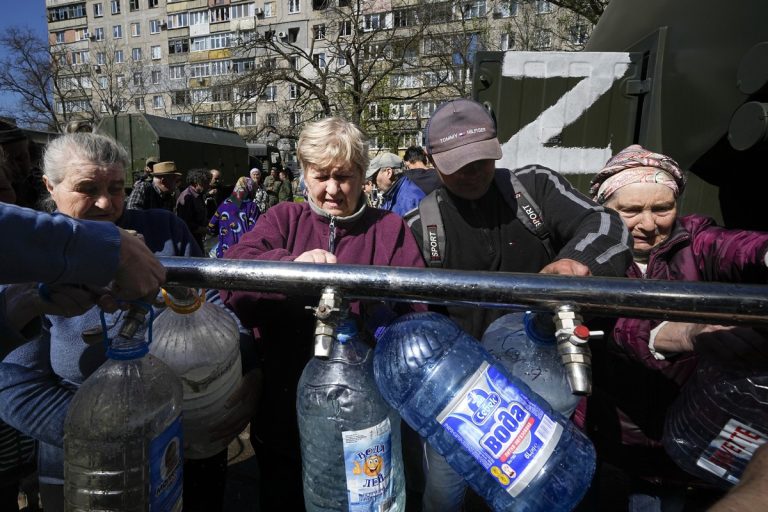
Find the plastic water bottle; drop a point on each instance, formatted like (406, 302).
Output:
(525, 344)
(510, 446)
(717, 422)
(350, 437)
(201, 343)
(123, 447)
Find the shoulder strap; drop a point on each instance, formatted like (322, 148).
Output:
(529, 213)
(432, 229)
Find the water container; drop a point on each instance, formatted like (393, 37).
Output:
(510, 446)
(718, 421)
(123, 447)
(525, 344)
(201, 343)
(350, 437)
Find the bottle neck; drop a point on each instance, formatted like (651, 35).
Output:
(124, 349)
(540, 328)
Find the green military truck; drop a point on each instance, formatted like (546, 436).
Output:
(688, 78)
(189, 145)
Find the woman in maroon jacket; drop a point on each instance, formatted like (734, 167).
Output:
(649, 360)
(333, 226)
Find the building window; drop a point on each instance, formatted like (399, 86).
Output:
(272, 120)
(345, 28)
(119, 56)
(475, 9)
(542, 40)
(198, 17)
(117, 31)
(241, 10)
(373, 111)
(247, 118)
(318, 31)
(243, 65)
(506, 8)
(295, 60)
(221, 67)
(176, 72)
(199, 44)
(294, 6)
(221, 94)
(59, 37)
(135, 29)
(67, 12)
(98, 10)
(200, 70)
(178, 46)
(178, 20)
(80, 57)
(219, 14)
(579, 33)
(156, 75)
(154, 26)
(138, 79)
(133, 5)
(372, 22)
(101, 58)
(157, 101)
(543, 6)
(120, 80)
(103, 82)
(221, 40)
(507, 41)
(403, 17)
(156, 52)
(269, 9)
(115, 5)
(319, 60)
(341, 59)
(98, 35)
(138, 103)
(270, 93)
(153, 3)
(136, 54)
(293, 91)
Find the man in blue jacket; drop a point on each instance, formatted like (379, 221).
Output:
(398, 193)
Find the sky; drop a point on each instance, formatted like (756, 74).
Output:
(21, 13)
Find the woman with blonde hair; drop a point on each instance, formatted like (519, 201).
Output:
(334, 225)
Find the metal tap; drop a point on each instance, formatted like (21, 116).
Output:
(330, 311)
(572, 337)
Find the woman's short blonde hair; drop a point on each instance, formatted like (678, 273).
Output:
(330, 141)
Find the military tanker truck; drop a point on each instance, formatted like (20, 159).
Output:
(189, 145)
(688, 78)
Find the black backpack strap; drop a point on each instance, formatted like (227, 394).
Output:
(432, 228)
(529, 213)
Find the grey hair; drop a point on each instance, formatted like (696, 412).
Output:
(96, 148)
(330, 141)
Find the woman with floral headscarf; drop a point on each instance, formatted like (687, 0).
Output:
(649, 360)
(234, 217)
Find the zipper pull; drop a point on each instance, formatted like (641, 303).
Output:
(332, 235)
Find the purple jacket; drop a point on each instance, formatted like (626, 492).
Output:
(697, 250)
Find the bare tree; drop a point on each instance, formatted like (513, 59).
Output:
(591, 10)
(26, 72)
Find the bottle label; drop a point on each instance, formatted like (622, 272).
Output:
(730, 452)
(368, 464)
(166, 462)
(508, 434)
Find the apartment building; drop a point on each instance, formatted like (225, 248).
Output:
(264, 67)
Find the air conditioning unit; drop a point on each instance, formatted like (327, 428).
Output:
(258, 11)
(87, 35)
(163, 25)
(282, 35)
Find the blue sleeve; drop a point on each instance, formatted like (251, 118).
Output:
(55, 248)
(33, 399)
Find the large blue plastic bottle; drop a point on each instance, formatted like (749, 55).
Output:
(525, 344)
(350, 437)
(510, 446)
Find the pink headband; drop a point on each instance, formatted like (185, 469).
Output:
(636, 164)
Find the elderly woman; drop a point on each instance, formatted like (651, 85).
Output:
(650, 359)
(234, 217)
(84, 174)
(257, 189)
(333, 226)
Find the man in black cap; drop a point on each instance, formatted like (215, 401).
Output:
(484, 218)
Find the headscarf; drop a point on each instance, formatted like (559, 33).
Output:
(636, 164)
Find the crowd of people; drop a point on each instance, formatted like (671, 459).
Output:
(446, 205)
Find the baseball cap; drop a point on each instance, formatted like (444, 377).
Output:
(381, 161)
(461, 132)
(151, 161)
